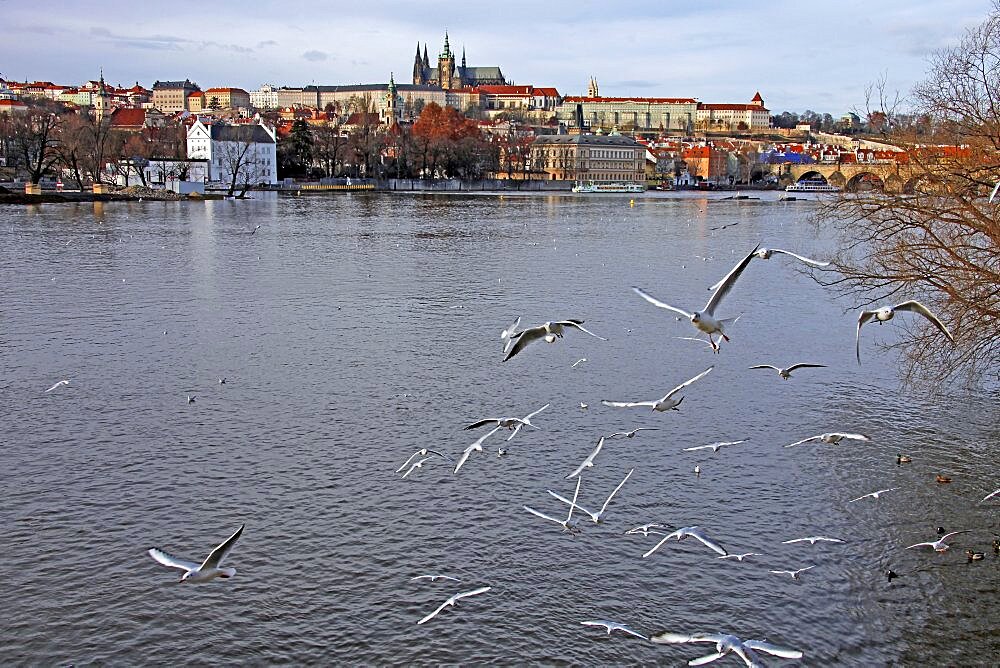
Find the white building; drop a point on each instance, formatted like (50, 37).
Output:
(266, 97)
(726, 117)
(250, 150)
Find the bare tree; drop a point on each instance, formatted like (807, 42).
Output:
(239, 158)
(35, 139)
(939, 240)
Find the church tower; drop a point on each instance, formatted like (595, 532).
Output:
(419, 75)
(390, 110)
(463, 80)
(102, 107)
(592, 90)
(446, 67)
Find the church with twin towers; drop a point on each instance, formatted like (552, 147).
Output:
(451, 75)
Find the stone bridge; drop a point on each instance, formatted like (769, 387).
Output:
(852, 177)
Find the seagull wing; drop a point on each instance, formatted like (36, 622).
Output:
(991, 495)
(477, 445)
(853, 437)
(542, 515)
(728, 282)
(708, 542)
(949, 535)
(416, 465)
(807, 260)
(615, 491)
(686, 383)
(708, 658)
(764, 646)
(910, 547)
(527, 418)
(576, 324)
(804, 440)
(222, 551)
(700, 447)
(657, 547)
(474, 592)
(408, 460)
(803, 365)
(627, 404)
(625, 629)
(435, 613)
(165, 559)
(656, 302)
(576, 494)
(767, 366)
(668, 638)
(917, 307)
(509, 332)
(589, 461)
(567, 501)
(439, 454)
(477, 425)
(862, 319)
(527, 337)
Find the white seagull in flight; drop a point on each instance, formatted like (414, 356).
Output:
(208, 569)
(786, 372)
(740, 557)
(613, 626)
(565, 524)
(434, 578)
(666, 403)
(812, 540)
(886, 313)
(683, 533)
(477, 446)
(548, 332)
(631, 434)
(511, 423)
(599, 515)
(874, 495)
(794, 574)
(423, 452)
(833, 437)
(508, 335)
(587, 463)
(57, 385)
(453, 601)
(726, 643)
(939, 545)
(705, 319)
(991, 495)
(715, 446)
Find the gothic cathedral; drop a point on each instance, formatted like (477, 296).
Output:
(448, 75)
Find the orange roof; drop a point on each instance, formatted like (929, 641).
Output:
(128, 117)
(504, 90)
(757, 98)
(731, 107)
(226, 90)
(643, 100)
(197, 93)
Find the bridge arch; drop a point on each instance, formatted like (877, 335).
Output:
(864, 182)
(812, 175)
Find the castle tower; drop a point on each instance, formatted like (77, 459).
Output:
(463, 79)
(102, 107)
(757, 100)
(446, 67)
(592, 90)
(427, 63)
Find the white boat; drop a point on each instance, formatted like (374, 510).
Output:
(812, 186)
(592, 187)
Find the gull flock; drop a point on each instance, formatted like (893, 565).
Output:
(515, 343)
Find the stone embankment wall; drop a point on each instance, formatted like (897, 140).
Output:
(490, 185)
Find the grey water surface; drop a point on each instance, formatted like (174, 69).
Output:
(353, 330)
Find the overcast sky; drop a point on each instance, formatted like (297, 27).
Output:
(799, 55)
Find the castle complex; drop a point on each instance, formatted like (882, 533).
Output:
(449, 76)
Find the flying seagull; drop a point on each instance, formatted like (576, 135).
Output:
(715, 446)
(416, 465)
(587, 463)
(549, 332)
(830, 437)
(613, 626)
(57, 385)
(598, 516)
(511, 423)
(578, 362)
(683, 533)
(565, 524)
(786, 372)
(939, 545)
(631, 434)
(874, 495)
(705, 319)
(794, 574)
(991, 495)
(664, 404)
(209, 569)
(740, 557)
(477, 445)
(725, 644)
(812, 540)
(453, 601)
(434, 578)
(886, 313)
(423, 452)
(649, 528)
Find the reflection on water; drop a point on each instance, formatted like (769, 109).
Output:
(353, 330)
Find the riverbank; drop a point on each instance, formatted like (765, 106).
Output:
(130, 194)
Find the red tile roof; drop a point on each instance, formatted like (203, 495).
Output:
(642, 100)
(731, 107)
(757, 98)
(128, 118)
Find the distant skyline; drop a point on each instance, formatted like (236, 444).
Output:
(819, 56)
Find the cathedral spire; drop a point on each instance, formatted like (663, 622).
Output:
(427, 63)
(447, 49)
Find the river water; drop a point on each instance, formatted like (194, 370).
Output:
(353, 330)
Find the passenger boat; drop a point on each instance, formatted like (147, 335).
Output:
(591, 187)
(812, 186)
